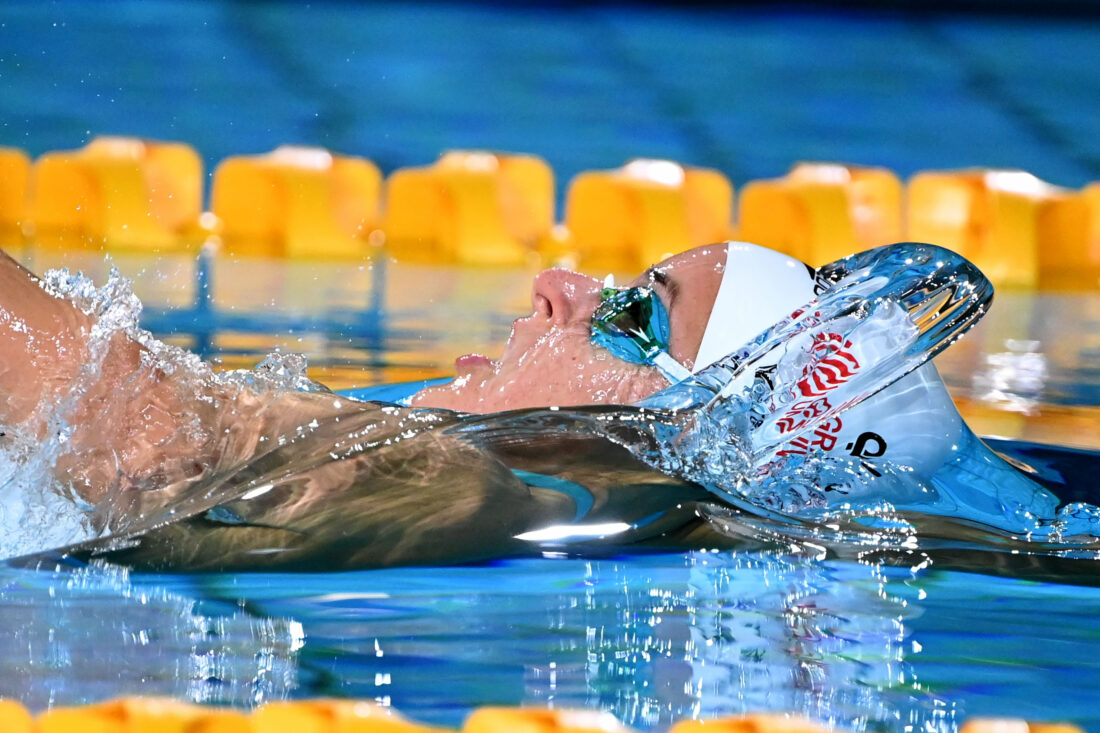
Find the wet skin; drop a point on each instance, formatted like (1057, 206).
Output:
(550, 359)
(150, 441)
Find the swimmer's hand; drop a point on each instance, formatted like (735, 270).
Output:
(881, 314)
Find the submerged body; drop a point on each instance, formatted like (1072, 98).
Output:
(379, 485)
(375, 485)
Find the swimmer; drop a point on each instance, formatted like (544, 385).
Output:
(199, 473)
(215, 474)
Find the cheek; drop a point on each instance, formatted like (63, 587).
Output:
(560, 369)
(609, 381)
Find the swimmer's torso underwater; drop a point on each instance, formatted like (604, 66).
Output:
(730, 395)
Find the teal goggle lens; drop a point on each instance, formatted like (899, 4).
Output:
(632, 324)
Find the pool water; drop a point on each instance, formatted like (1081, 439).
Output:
(919, 642)
(653, 639)
(918, 645)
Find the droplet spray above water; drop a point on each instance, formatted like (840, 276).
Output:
(38, 508)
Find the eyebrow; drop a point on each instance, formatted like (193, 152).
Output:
(660, 277)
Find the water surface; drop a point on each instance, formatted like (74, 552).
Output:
(919, 643)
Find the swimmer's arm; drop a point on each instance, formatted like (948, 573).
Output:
(42, 343)
(134, 425)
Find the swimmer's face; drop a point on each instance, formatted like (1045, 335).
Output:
(550, 358)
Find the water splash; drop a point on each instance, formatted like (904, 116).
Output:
(1014, 379)
(731, 427)
(278, 372)
(42, 508)
(885, 313)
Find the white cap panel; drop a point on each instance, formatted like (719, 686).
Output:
(759, 287)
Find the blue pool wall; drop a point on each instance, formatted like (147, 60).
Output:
(747, 89)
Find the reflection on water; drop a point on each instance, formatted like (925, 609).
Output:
(360, 323)
(1031, 369)
(660, 638)
(652, 638)
(78, 636)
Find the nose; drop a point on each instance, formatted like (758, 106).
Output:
(563, 296)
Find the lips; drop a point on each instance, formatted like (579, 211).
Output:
(469, 362)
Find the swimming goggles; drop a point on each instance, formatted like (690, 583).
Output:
(632, 324)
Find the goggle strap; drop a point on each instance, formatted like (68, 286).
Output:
(673, 370)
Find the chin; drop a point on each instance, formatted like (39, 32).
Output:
(443, 397)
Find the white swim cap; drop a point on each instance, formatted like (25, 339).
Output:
(912, 422)
(759, 287)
